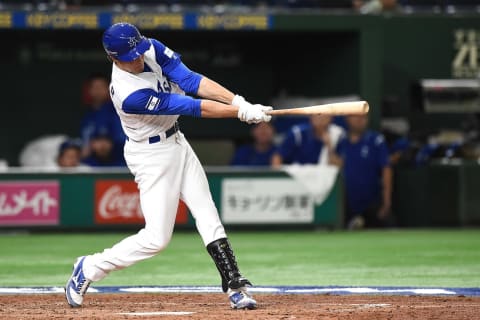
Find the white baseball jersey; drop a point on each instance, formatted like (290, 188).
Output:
(150, 102)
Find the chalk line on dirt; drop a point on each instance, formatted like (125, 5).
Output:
(337, 290)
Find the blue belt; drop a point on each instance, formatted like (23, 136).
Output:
(168, 133)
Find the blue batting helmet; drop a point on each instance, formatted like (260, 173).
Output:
(124, 42)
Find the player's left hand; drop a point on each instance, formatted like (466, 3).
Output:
(240, 102)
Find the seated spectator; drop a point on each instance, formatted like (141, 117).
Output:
(102, 151)
(368, 176)
(69, 154)
(436, 151)
(310, 143)
(101, 114)
(260, 152)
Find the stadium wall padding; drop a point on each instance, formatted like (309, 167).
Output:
(79, 192)
(437, 195)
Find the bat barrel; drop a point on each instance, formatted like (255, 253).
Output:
(341, 108)
(366, 107)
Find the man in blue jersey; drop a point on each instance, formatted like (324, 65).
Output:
(310, 143)
(260, 152)
(101, 116)
(102, 150)
(368, 176)
(148, 89)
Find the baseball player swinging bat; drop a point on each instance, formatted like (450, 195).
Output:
(341, 108)
(150, 89)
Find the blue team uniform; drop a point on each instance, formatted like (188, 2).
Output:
(93, 161)
(363, 165)
(114, 160)
(164, 100)
(151, 102)
(301, 146)
(247, 155)
(104, 119)
(165, 166)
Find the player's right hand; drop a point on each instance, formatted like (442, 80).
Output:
(253, 114)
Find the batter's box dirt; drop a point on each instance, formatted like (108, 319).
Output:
(215, 306)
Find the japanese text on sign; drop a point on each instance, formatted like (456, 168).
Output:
(265, 201)
(29, 203)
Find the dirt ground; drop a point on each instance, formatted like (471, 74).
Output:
(215, 306)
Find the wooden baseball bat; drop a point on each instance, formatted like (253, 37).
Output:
(340, 108)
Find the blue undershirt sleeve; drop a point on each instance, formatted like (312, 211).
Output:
(187, 79)
(174, 69)
(148, 101)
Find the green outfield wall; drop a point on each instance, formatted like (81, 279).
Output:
(440, 195)
(109, 199)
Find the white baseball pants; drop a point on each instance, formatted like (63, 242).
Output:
(165, 172)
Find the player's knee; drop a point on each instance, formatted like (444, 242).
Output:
(156, 240)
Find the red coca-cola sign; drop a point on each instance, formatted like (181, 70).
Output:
(118, 202)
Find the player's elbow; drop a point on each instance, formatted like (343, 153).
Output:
(187, 79)
(191, 83)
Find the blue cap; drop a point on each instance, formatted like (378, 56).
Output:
(70, 143)
(124, 42)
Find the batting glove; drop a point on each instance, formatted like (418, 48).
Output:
(252, 114)
(239, 101)
(263, 108)
(243, 105)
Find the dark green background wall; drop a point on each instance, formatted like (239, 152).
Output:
(417, 47)
(45, 71)
(377, 57)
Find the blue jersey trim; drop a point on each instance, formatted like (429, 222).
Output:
(148, 101)
(174, 69)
